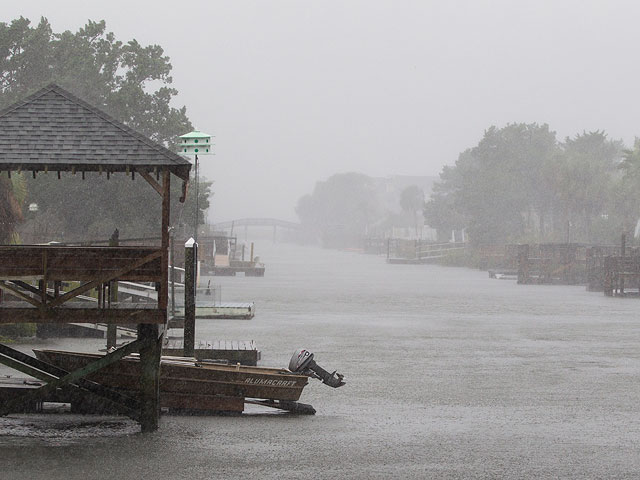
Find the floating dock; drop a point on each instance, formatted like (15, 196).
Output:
(244, 352)
(216, 311)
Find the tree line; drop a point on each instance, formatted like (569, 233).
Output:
(520, 184)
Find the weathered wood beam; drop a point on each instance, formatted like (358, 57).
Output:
(78, 391)
(150, 376)
(185, 186)
(30, 288)
(117, 316)
(163, 293)
(151, 181)
(43, 368)
(31, 367)
(4, 285)
(107, 278)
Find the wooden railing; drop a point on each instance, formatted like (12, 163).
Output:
(28, 271)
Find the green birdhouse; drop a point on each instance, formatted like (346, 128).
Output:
(195, 143)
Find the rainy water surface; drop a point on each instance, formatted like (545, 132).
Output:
(449, 374)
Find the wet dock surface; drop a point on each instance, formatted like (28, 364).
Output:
(449, 374)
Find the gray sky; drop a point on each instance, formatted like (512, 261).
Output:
(295, 91)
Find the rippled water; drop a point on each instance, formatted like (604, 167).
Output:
(449, 375)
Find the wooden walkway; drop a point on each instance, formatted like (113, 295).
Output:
(417, 252)
(622, 276)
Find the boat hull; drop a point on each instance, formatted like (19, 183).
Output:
(187, 377)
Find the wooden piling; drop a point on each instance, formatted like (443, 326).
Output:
(150, 376)
(623, 247)
(189, 297)
(523, 263)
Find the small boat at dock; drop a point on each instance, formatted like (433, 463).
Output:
(189, 384)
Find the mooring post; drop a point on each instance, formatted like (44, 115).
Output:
(172, 277)
(523, 263)
(150, 377)
(622, 267)
(189, 297)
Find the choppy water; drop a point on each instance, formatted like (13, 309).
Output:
(450, 375)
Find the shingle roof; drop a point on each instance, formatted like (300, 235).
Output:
(54, 130)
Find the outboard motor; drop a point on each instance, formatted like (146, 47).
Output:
(302, 362)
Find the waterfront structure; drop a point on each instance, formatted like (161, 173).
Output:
(54, 132)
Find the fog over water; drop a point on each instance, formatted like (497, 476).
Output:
(297, 91)
(449, 374)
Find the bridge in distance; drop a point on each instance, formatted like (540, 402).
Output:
(231, 225)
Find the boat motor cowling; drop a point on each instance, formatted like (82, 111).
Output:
(302, 362)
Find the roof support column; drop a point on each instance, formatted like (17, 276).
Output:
(163, 292)
(150, 356)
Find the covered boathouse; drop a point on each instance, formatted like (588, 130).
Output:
(53, 131)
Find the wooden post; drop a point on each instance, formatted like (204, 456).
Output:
(163, 293)
(623, 247)
(150, 355)
(189, 297)
(112, 329)
(173, 275)
(608, 276)
(523, 263)
(149, 377)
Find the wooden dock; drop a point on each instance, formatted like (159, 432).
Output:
(244, 352)
(248, 269)
(420, 252)
(216, 311)
(622, 276)
(552, 263)
(595, 264)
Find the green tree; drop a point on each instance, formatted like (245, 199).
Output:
(584, 181)
(441, 211)
(129, 81)
(412, 201)
(627, 200)
(498, 187)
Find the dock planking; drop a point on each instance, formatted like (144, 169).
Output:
(244, 352)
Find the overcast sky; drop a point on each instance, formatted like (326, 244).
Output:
(295, 91)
